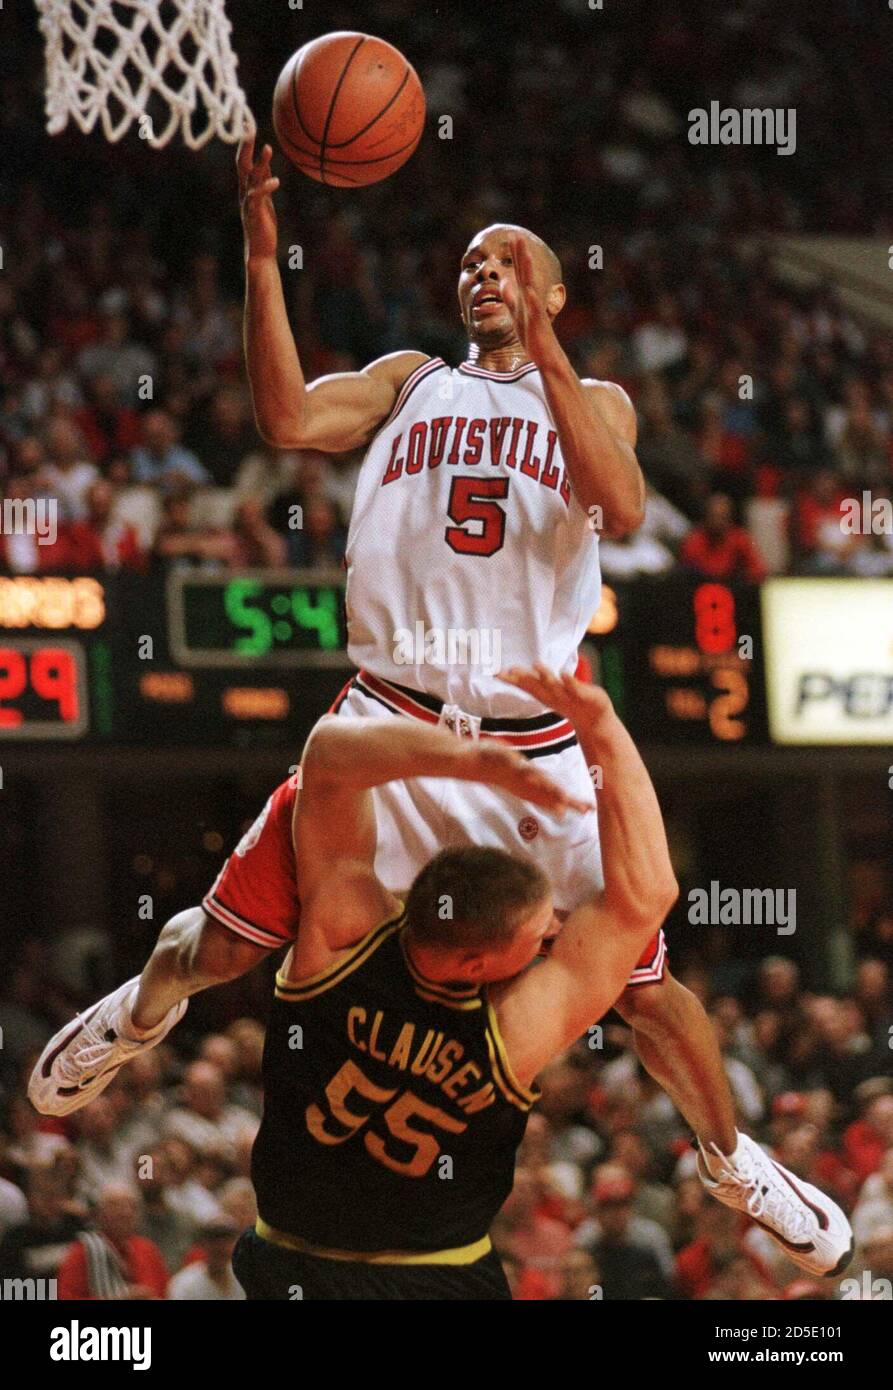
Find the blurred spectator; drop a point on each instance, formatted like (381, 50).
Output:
(100, 541)
(112, 1262)
(184, 1193)
(169, 1229)
(161, 459)
(69, 474)
(867, 1139)
(34, 1248)
(256, 543)
(206, 1121)
(13, 1206)
(212, 1278)
(104, 1159)
(821, 542)
(108, 427)
(631, 1252)
(130, 366)
(226, 436)
(320, 539)
(660, 340)
(718, 548)
(180, 539)
(874, 1209)
(716, 1249)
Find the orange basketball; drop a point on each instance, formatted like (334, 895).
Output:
(348, 109)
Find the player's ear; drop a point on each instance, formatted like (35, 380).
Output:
(555, 300)
(473, 963)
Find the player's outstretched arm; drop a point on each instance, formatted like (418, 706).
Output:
(336, 412)
(594, 955)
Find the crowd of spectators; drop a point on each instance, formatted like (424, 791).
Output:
(143, 1193)
(761, 406)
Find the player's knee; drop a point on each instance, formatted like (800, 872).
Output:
(198, 948)
(217, 954)
(659, 1005)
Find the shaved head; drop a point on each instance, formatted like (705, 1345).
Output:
(542, 252)
(488, 286)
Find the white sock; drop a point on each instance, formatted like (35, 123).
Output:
(717, 1162)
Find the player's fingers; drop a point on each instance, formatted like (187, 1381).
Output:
(261, 190)
(550, 794)
(571, 684)
(513, 675)
(524, 681)
(245, 153)
(523, 260)
(548, 678)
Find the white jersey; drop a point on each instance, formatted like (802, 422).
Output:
(467, 551)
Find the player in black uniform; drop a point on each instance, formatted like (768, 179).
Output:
(403, 1041)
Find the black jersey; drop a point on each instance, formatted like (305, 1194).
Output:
(391, 1115)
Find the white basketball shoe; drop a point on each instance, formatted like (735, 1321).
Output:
(807, 1226)
(82, 1059)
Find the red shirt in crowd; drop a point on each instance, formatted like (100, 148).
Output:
(732, 555)
(143, 1264)
(863, 1149)
(107, 435)
(695, 1270)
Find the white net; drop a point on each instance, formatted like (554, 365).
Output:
(163, 65)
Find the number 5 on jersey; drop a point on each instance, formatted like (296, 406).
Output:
(471, 499)
(397, 1119)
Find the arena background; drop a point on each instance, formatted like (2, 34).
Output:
(716, 263)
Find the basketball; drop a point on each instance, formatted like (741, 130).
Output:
(348, 109)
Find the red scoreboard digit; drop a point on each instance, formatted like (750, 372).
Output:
(43, 689)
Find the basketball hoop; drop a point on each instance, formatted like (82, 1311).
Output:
(149, 62)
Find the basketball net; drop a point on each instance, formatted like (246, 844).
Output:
(150, 62)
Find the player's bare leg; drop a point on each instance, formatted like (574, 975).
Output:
(193, 952)
(677, 1046)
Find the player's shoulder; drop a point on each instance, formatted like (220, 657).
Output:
(614, 405)
(608, 391)
(397, 367)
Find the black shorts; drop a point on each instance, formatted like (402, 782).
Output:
(268, 1271)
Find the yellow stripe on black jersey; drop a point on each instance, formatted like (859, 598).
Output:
(295, 990)
(503, 1075)
(454, 996)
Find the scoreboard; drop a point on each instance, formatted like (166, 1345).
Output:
(253, 659)
(682, 660)
(193, 659)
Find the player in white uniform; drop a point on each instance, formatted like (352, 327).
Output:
(500, 561)
(475, 514)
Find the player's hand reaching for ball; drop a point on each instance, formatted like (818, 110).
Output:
(500, 766)
(577, 701)
(257, 184)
